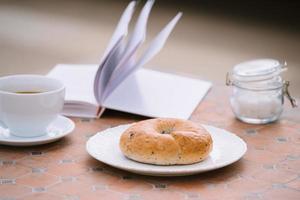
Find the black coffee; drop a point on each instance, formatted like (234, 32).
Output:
(27, 92)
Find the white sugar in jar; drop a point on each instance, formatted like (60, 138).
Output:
(258, 90)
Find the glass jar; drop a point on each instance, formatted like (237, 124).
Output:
(258, 90)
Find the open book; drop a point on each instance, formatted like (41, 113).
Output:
(120, 83)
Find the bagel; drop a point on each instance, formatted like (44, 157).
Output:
(166, 141)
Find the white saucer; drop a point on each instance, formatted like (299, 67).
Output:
(59, 128)
(227, 149)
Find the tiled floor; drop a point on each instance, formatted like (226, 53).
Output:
(64, 170)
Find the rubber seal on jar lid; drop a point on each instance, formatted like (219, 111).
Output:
(255, 70)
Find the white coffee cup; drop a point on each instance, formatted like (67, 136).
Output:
(29, 103)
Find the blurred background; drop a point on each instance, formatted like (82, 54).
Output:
(208, 41)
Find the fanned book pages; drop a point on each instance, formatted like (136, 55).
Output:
(120, 82)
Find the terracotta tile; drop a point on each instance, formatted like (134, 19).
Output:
(36, 162)
(239, 127)
(13, 171)
(160, 194)
(291, 165)
(284, 148)
(42, 196)
(248, 185)
(295, 184)
(73, 151)
(122, 173)
(248, 168)
(251, 196)
(37, 180)
(276, 175)
(78, 138)
(223, 175)
(67, 169)
(256, 141)
(164, 180)
(9, 153)
(263, 156)
(216, 192)
(187, 186)
(277, 130)
(58, 153)
(212, 118)
(130, 186)
(282, 193)
(13, 191)
(92, 163)
(70, 188)
(103, 195)
(46, 159)
(98, 178)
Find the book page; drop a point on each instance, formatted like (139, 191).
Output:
(139, 33)
(156, 94)
(104, 72)
(121, 29)
(81, 110)
(78, 80)
(110, 58)
(136, 39)
(121, 73)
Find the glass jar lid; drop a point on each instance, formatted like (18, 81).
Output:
(257, 70)
(260, 75)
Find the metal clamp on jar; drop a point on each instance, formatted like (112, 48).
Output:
(258, 90)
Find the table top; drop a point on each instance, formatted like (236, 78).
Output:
(64, 170)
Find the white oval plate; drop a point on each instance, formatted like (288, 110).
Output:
(59, 128)
(227, 149)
